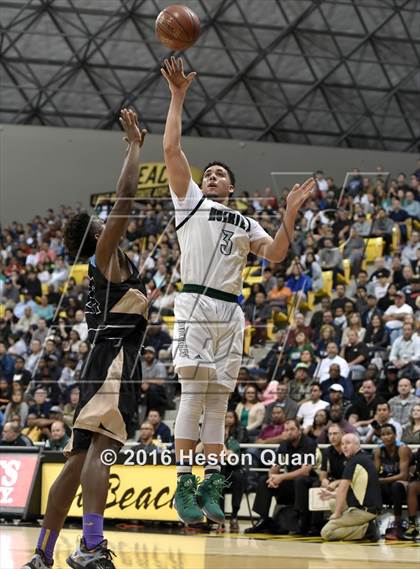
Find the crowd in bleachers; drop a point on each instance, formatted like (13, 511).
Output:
(332, 338)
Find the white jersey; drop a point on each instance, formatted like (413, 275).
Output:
(214, 241)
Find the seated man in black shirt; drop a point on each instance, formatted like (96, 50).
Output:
(358, 496)
(299, 455)
(362, 413)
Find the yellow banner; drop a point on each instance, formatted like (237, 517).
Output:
(135, 492)
(153, 182)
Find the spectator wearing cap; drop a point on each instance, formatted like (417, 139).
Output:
(381, 284)
(153, 394)
(335, 378)
(272, 433)
(283, 400)
(58, 437)
(7, 363)
(332, 357)
(395, 314)
(405, 353)
(402, 404)
(300, 387)
(308, 409)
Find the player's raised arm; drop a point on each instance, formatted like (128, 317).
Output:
(116, 224)
(276, 249)
(179, 174)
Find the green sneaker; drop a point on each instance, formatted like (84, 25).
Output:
(410, 533)
(185, 501)
(209, 494)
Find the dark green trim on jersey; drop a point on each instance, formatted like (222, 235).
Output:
(192, 212)
(212, 292)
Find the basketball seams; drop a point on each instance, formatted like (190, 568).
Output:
(177, 27)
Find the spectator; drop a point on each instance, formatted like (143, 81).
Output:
(21, 375)
(11, 436)
(331, 259)
(81, 326)
(17, 407)
(402, 404)
(395, 314)
(298, 282)
(307, 410)
(318, 316)
(313, 271)
(354, 250)
(298, 327)
(279, 295)
(336, 384)
(153, 394)
(382, 227)
(405, 353)
(145, 441)
(258, 315)
(45, 310)
(376, 337)
(362, 412)
(162, 431)
(354, 324)
(382, 417)
(233, 473)
(283, 400)
(41, 406)
(411, 432)
(301, 344)
(267, 389)
(332, 357)
(272, 433)
(355, 511)
(292, 485)
(156, 337)
(355, 352)
(26, 321)
(268, 280)
(327, 334)
(41, 331)
(34, 357)
(70, 407)
(300, 387)
(251, 411)
(392, 463)
(32, 431)
(7, 363)
(58, 438)
(319, 426)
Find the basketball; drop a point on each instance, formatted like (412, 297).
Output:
(177, 27)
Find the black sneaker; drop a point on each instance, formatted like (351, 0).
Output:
(263, 526)
(411, 533)
(372, 532)
(98, 558)
(38, 561)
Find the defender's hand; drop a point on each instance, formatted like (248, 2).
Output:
(130, 123)
(174, 74)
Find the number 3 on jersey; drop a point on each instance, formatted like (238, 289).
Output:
(227, 245)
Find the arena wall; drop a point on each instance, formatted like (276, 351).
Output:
(42, 167)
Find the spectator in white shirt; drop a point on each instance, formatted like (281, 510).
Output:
(60, 274)
(405, 353)
(308, 409)
(323, 372)
(36, 352)
(27, 320)
(395, 314)
(81, 327)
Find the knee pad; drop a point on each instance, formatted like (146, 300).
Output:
(215, 407)
(194, 382)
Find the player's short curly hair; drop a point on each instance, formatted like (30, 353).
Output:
(226, 167)
(80, 231)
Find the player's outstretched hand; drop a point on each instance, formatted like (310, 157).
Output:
(130, 123)
(299, 194)
(173, 71)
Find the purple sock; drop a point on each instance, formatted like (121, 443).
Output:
(93, 529)
(46, 542)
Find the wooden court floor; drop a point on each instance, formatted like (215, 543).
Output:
(212, 551)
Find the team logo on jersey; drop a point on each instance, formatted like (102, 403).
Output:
(231, 217)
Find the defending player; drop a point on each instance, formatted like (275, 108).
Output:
(116, 314)
(208, 336)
